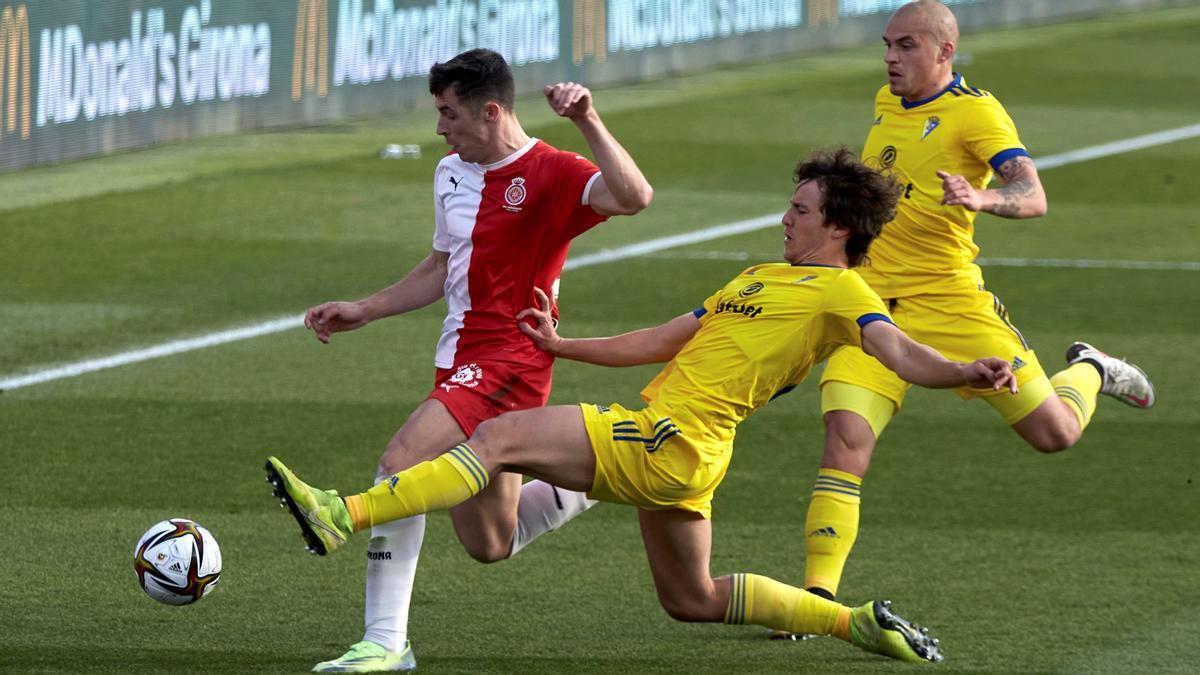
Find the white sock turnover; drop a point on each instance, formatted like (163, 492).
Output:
(544, 508)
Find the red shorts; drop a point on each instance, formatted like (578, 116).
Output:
(480, 390)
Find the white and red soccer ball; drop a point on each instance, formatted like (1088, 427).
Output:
(177, 561)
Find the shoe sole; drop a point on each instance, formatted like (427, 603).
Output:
(918, 638)
(315, 545)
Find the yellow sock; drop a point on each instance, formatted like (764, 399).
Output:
(831, 528)
(758, 600)
(440, 483)
(1078, 386)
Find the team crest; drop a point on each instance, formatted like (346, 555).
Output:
(469, 375)
(930, 124)
(515, 194)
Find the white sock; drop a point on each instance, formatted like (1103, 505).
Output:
(544, 508)
(391, 567)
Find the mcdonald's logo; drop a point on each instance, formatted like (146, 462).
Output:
(14, 53)
(822, 12)
(588, 36)
(310, 60)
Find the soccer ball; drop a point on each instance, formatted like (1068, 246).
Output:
(177, 561)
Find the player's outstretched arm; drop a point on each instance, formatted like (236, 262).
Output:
(1021, 196)
(648, 345)
(424, 284)
(919, 364)
(621, 189)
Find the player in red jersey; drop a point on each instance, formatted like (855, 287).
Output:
(506, 207)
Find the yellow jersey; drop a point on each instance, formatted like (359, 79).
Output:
(961, 130)
(760, 335)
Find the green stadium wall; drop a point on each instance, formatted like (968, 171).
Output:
(87, 77)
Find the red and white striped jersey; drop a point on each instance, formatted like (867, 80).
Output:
(507, 227)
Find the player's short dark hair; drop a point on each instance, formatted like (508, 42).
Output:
(853, 196)
(478, 76)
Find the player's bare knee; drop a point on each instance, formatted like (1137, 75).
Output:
(1055, 436)
(488, 549)
(685, 609)
(394, 459)
(849, 442)
(691, 607)
(493, 437)
(1054, 439)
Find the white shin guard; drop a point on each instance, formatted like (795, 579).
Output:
(544, 508)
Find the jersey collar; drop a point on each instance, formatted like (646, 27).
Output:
(511, 158)
(909, 105)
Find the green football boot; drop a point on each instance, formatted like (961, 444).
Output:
(876, 628)
(322, 515)
(370, 657)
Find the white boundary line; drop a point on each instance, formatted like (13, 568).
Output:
(165, 349)
(1186, 266)
(1118, 147)
(1069, 263)
(613, 255)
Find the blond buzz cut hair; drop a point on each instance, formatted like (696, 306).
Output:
(939, 20)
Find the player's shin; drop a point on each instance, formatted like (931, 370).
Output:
(391, 569)
(831, 529)
(544, 508)
(755, 599)
(1078, 387)
(440, 483)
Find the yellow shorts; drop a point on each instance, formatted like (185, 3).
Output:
(646, 459)
(964, 326)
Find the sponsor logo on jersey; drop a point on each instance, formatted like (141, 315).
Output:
(1017, 363)
(469, 375)
(751, 289)
(745, 309)
(887, 157)
(455, 181)
(930, 124)
(515, 194)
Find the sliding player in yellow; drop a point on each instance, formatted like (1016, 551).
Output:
(761, 333)
(942, 139)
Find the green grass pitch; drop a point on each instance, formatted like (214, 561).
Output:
(1083, 562)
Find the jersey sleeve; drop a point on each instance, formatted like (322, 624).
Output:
(851, 305)
(991, 135)
(576, 178)
(441, 233)
(706, 310)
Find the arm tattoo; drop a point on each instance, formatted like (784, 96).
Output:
(1018, 185)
